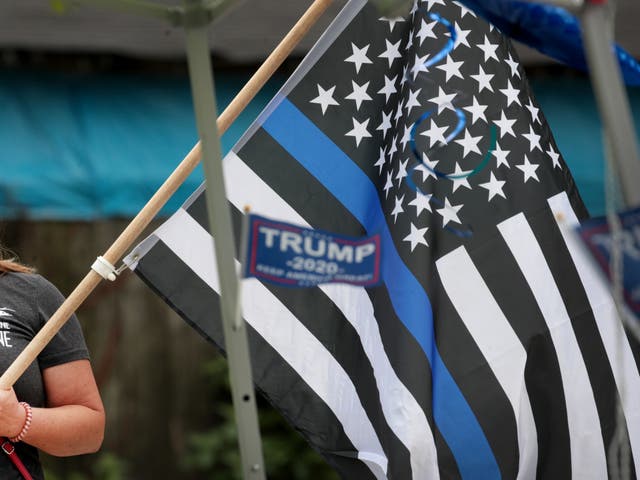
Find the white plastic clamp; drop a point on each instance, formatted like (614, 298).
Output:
(103, 268)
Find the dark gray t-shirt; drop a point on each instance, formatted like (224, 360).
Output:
(26, 303)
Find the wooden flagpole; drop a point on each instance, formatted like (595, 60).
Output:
(162, 195)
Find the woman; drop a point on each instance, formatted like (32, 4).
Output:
(55, 406)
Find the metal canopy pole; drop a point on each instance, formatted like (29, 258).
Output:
(597, 19)
(220, 226)
(597, 31)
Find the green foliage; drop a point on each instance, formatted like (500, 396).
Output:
(104, 466)
(109, 467)
(214, 452)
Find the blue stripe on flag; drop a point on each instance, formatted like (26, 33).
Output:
(344, 179)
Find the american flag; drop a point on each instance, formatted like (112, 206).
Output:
(490, 350)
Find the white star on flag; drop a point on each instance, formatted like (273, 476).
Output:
(394, 147)
(483, 79)
(505, 125)
(501, 156)
(418, 66)
(443, 100)
(406, 136)
(513, 65)
(451, 68)
(534, 139)
(388, 184)
(529, 170)
(397, 209)
(359, 131)
(398, 114)
(555, 157)
(325, 98)
(435, 134)
(359, 94)
(402, 171)
(489, 49)
(427, 167)
(386, 124)
(358, 57)
(476, 110)
(461, 36)
(413, 101)
(389, 87)
(416, 237)
(391, 21)
(421, 202)
(511, 94)
(449, 212)
(426, 31)
(405, 75)
(409, 44)
(381, 160)
(494, 186)
(414, 8)
(469, 143)
(392, 52)
(462, 178)
(534, 112)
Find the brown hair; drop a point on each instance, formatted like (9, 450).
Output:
(11, 264)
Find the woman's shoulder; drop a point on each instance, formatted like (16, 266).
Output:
(27, 282)
(30, 291)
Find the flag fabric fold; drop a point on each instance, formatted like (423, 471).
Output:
(485, 352)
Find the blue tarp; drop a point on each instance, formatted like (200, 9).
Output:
(93, 146)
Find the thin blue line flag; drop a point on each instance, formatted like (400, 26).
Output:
(487, 351)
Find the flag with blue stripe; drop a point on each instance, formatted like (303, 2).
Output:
(480, 353)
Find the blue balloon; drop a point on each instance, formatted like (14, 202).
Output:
(549, 29)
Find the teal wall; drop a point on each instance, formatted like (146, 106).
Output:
(81, 147)
(570, 109)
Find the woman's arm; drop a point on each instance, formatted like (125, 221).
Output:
(73, 422)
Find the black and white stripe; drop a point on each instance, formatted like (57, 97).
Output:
(587, 384)
(611, 333)
(587, 448)
(500, 346)
(187, 238)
